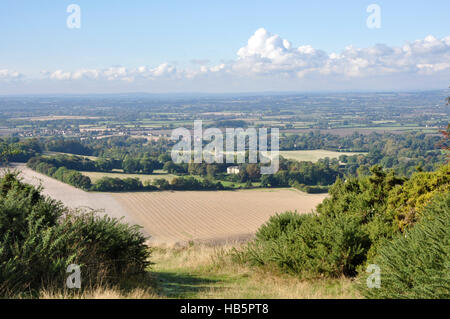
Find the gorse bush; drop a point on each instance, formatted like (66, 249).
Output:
(105, 245)
(278, 225)
(39, 238)
(350, 227)
(407, 202)
(309, 245)
(416, 264)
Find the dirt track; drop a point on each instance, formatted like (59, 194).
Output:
(176, 217)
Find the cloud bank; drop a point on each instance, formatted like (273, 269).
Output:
(269, 57)
(8, 75)
(268, 54)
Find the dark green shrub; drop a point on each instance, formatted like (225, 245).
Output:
(309, 245)
(279, 224)
(115, 184)
(39, 238)
(416, 264)
(106, 245)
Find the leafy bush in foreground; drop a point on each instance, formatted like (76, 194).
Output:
(278, 225)
(407, 202)
(352, 225)
(39, 238)
(416, 264)
(309, 245)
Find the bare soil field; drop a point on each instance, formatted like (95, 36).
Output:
(179, 217)
(211, 216)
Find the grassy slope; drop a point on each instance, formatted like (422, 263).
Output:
(208, 272)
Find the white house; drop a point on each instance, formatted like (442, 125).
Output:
(233, 170)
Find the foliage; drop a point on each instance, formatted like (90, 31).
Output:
(71, 146)
(278, 225)
(69, 176)
(407, 202)
(366, 198)
(191, 183)
(416, 264)
(14, 150)
(114, 184)
(40, 238)
(309, 245)
(350, 227)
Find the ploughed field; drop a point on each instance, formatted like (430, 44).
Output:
(211, 215)
(183, 216)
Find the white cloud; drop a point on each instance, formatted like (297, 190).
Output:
(266, 53)
(164, 69)
(8, 75)
(268, 57)
(113, 73)
(60, 75)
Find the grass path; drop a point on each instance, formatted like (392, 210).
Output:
(205, 272)
(208, 272)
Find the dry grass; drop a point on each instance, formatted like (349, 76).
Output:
(99, 293)
(216, 276)
(313, 155)
(209, 272)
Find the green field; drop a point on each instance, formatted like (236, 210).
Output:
(48, 154)
(313, 155)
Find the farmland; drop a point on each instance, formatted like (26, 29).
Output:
(179, 217)
(95, 176)
(211, 216)
(313, 155)
(337, 114)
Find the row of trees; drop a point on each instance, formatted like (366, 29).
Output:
(144, 165)
(111, 184)
(63, 174)
(16, 150)
(117, 147)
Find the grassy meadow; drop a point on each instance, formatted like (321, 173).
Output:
(157, 174)
(200, 271)
(313, 155)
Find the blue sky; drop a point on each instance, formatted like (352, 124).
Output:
(182, 36)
